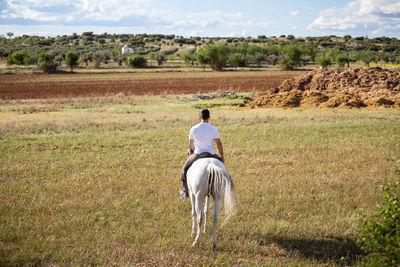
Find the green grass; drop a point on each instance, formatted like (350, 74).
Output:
(95, 181)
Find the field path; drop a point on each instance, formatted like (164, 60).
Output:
(33, 86)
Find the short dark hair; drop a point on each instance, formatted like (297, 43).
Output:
(205, 114)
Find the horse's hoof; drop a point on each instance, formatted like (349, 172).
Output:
(214, 247)
(194, 244)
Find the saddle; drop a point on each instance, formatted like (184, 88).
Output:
(209, 155)
(204, 155)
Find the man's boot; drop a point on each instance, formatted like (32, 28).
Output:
(184, 192)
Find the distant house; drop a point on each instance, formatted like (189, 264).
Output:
(127, 49)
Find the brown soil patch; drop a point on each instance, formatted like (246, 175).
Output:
(332, 88)
(36, 85)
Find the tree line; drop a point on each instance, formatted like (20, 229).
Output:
(286, 51)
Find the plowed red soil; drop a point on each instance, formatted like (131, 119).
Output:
(30, 86)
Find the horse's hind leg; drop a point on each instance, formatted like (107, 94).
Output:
(198, 207)
(206, 209)
(217, 208)
(193, 200)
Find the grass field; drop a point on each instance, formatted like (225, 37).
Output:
(94, 181)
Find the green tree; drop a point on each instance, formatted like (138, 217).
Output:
(152, 56)
(292, 58)
(216, 55)
(272, 50)
(273, 53)
(397, 61)
(189, 56)
(332, 53)
(86, 58)
(323, 61)
(341, 60)
(366, 56)
(309, 53)
(160, 58)
(97, 62)
(71, 59)
(287, 63)
(384, 57)
(46, 64)
(137, 61)
(20, 58)
(235, 60)
(256, 53)
(202, 59)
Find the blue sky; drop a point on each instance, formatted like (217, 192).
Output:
(202, 18)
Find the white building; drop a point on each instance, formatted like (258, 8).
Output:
(127, 49)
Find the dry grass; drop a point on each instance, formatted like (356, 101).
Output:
(95, 181)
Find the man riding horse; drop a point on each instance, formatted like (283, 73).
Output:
(201, 140)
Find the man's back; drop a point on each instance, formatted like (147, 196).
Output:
(203, 135)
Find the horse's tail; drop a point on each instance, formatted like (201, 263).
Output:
(220, 183)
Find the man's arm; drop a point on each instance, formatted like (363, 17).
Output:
(220, 148)
(191, 144)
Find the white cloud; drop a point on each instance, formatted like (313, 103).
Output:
(16, 9)
(111, 10)
(378, 17)
(294, 13)
(133, 14)
(75, 10)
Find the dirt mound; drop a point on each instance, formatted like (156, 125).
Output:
(331, 88)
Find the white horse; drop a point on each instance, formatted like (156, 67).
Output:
(207, 176)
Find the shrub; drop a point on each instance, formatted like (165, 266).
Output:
(20, 58)
(46, 64)
(324, 62)
(137, 61)
(380, 235)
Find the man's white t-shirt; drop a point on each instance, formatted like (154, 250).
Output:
(203, 135)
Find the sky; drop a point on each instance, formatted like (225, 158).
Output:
(204, 18)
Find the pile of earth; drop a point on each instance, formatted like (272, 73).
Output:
(331, 88)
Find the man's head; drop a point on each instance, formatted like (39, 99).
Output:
(205, 114)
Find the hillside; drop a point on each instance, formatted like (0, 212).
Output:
(107, 47)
